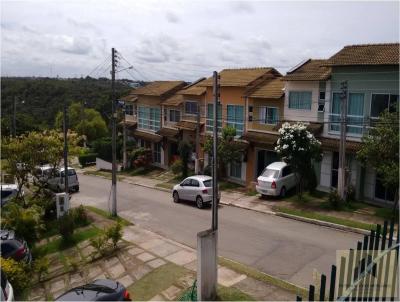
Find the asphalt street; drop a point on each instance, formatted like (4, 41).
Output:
(282, 247)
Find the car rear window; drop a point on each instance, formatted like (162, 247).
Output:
(270, 173)
(5, 193)
(207, 183)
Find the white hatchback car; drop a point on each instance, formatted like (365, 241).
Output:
(195, 188)
(276, 179)
(56, 182)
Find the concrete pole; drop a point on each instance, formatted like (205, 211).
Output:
(114, 140)
(66, 187)
(124, 155)
(197, 164)
(342, 146)
(214, 225)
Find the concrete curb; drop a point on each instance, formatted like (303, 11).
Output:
(289, 216)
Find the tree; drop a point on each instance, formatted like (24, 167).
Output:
(23, 154)
(298, 148)
(184, 149)
(85, 121)
(229, 150)
(380, 150)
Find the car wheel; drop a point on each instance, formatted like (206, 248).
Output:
(283, 192)
(77, 188)
(175, 196)
(263, 196)
(199, 202)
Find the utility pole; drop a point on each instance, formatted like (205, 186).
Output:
(114, 139)
(197, 164)
(342, 146)
(124, 155)
(14, 131)
(214, 225)
(65, 124)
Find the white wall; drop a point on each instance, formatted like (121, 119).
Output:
(301, 114)
(105, 165)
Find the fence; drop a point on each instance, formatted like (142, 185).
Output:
(369, 273)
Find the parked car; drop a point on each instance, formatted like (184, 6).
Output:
(195, 188)
(14, 247)
(276, 179)
(55, 179)
(7, 291)
(8, 192)
(98, 290)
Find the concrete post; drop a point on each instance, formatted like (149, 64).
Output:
(207, 268)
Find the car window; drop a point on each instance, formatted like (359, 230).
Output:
(71, 172)
(207, 183)
(6, 248)
(6, 193)
(270, 173)
(186, 182)
(195, 183)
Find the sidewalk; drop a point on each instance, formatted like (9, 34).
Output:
(152, 267)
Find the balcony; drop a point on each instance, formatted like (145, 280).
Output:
(356, 125)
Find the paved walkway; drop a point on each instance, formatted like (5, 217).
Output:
(142, 253)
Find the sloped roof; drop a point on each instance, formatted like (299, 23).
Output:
(366, 54)
(129, 98)
(194, 88)
(174, 100)
(311, 70)
(240, 77)
(272, 89)
(159, 88)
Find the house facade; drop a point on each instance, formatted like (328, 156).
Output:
(312, 95)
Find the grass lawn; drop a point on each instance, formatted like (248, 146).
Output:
(156, 281)
(226, 185)
(141, 171)
(58, 244)
(255, 274)
(107, 215)
(232, 294)
(103, 173)
(327, 218)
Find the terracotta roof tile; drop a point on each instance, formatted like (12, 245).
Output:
(240, 77)
(311, 70)
(159, 88)
(272, 89)
(367, 54)
(174, 100)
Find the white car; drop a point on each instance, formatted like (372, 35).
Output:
(195, 188)
(8, 192)
(56, 182)
(276, 179)
(7, 291)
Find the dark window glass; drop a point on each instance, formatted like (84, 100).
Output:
(5, 194)
(186, 182)
(194, 183)
(394, 103)
(207, 183)
(380, 102)
(191, 107)
(322, 95)
(6, 248)
(335, 167)
(383, 192)
(250, 108)
(286, 171)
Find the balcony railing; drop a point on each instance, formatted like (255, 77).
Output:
(355, 124)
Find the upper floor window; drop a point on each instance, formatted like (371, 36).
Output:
(235, 114)
(300, 100)
(191, 107)
(269, 115)
(129, 109)
(174, 115)
(381, 102)
(149, 118)
(210, 117)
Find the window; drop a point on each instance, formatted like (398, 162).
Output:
(207, 183)
(194, 183)
(210, 118)
(269, 115)
(321, 101)
(382, 192)
(322, 95)
(186, 182)
(149, 118)
(236, 118)
(174, 115)
(381, 102)
(355, 113)
(300, 100)
(129, 109)
(236, 170)
(191, 107)
(157, 153)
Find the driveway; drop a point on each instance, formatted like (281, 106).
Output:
(275, 245)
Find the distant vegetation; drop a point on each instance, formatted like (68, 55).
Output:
(43, 98)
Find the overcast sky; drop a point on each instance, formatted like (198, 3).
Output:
(182, 39)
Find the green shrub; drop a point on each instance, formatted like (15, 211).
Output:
(350, 194)
(41, 267)
(72, 263)
(86, 159)
(141, 157)
(80, 216)
(66, 226)
(17, 273)
(100, 244)
(312, 181)
(176, 167)
(103, 148)
(114, 233)
(334, 200)
(27, 223)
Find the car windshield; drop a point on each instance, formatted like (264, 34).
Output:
(270, 173)
(207, 183)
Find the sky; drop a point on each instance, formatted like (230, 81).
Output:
(182, 40)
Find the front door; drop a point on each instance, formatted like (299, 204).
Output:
(264, 158)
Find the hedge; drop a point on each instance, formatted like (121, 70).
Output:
(87, 159)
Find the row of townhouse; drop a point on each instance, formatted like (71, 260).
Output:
(256, 101)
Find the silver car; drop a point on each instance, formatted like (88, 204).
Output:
(195, 188)
(276, 179)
